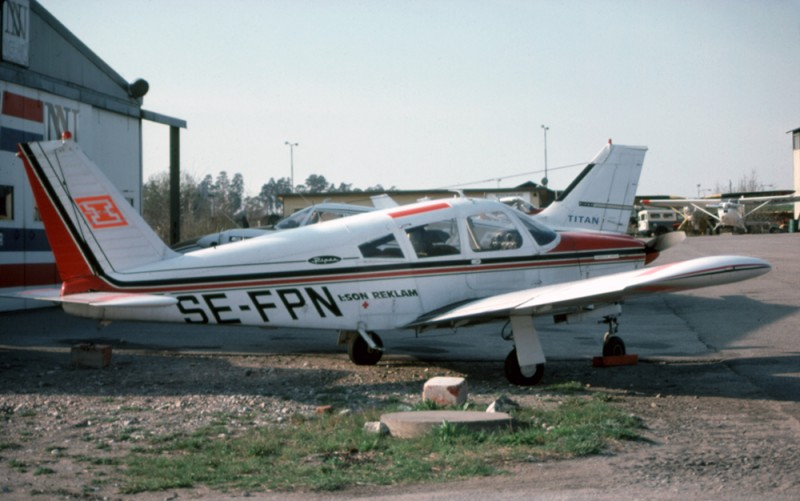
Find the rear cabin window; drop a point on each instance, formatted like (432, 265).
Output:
(384, 247)
(435, 239)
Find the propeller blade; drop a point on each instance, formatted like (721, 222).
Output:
(664, 242)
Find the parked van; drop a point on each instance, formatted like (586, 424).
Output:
(657, 221)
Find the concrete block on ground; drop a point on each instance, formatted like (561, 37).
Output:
(91, 356)
(445, 390)
(417, 423)
(376, 428)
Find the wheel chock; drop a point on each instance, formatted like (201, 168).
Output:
(615, 360)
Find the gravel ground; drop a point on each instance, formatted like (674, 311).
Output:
(709, 433)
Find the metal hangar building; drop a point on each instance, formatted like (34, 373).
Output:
(51, 82)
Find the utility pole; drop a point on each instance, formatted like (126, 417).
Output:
(544, 179)
(291, 161)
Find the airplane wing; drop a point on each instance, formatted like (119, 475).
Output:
(779, 199)
(702, 202)
(681, 202)
(103, 299)
(572, 296)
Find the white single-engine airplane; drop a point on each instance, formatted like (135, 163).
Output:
(730, 209)
(442, 263)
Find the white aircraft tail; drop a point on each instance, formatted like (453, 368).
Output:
(93, 230)
(601, 197)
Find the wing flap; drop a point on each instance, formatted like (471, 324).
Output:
(553, 299)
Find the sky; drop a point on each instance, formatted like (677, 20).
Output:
(420, 94)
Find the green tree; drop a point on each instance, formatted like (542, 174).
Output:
(316, 184)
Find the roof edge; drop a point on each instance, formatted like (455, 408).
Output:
(70, 37)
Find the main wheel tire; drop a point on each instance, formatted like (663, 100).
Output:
(514, 373)
(361, 354)
(613, 346)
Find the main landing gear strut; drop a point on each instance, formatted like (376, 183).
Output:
(526, 368)
(363, 347)
(524, 365)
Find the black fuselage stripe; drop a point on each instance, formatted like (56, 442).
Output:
(379, 272)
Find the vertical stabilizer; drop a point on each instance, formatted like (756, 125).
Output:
(93, 230)
(601, 197)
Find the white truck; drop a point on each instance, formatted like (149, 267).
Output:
(654, 222)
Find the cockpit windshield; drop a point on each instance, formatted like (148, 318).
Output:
(541, 233)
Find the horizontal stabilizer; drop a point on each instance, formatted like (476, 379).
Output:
(103, 299)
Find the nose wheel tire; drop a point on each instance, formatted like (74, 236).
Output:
(361, 354)
(613, 346)
(514, 373)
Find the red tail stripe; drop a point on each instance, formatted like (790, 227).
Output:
(419, 210)
(70, 261)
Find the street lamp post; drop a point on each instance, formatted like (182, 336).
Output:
(544, 179)
(291, 161)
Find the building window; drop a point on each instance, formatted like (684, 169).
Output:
(6, 203)
(796, 139)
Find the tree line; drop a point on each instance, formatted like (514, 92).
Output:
(215, 204)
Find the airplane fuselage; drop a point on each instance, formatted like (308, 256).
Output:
(373, 270)
(432, 264)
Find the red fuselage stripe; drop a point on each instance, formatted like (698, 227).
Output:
(419, 210)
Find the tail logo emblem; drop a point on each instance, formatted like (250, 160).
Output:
(101, 212)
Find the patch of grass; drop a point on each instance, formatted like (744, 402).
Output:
(99, 461)
(577, 427)
(331, 452)
(18, 465)
(430, 405)
(43, 470)
(134, 408)
(125, 434)
(566, 388)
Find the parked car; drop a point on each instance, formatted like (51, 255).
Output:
(310, 215)
(319, 213)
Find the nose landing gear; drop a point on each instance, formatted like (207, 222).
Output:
(613, 345)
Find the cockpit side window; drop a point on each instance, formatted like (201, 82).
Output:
(435, 239)
(492, 231)
(385, 247)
